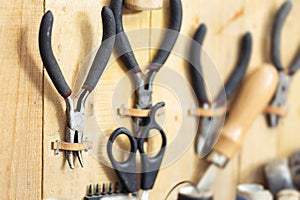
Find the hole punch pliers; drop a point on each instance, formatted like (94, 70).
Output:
(75, 106)
(123, 49)
(280, 96)
(209, 126)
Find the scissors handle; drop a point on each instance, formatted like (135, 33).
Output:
(151, 165)
(126, 170)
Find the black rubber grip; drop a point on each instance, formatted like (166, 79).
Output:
(295, 64)
(48, 58)
(104, 51)
(239, 71)
(171, 35)
(126, 170)
(122, 45)
(276, 34)
(196, 71)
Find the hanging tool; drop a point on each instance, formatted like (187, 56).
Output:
(278, 175)
(288, 194)
(255, 94)
(252, 191)
(127, 170)
(280, 96)
(294, 164)
(123, 49)
(75, 105)
(210, 125)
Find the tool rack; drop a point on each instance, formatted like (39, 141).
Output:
(33, 114)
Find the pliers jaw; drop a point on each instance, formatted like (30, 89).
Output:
(75, 125)
(143, 91)
(279, 98)
(73, 136)
(209, 129)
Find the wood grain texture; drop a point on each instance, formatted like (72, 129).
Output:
(21, 101)
(34, 113)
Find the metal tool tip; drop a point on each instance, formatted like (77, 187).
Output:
(79, 155)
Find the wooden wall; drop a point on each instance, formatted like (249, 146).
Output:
(33, 113)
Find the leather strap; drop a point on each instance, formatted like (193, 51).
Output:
(201, 112)
(65, 146)
(133, 112)
(276, 110)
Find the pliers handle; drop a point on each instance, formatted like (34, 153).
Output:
(124, 49)
(98, 64)
(236, 76)
(279, 20)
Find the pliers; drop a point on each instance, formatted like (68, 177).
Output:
(75, 105)
(143, 98)
(280, 96)
(211, 126)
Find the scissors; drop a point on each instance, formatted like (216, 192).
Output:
(143, 94)
(210, 125)
(127, 170)
(280, 96)
(75, 105)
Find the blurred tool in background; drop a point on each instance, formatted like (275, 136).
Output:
(252, 192)
(254, 95)
(210, 125)
(294, 163)
(288, 194)
(280, 97)
(278, 175)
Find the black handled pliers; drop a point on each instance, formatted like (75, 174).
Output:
(123, 49)
(280, 96)
(75, 105)
(209, 126)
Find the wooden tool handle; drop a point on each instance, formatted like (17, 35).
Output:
(143, 4)
(255, 94)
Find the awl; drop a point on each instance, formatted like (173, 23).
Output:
(255, 95)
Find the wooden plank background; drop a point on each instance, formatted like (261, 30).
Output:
(34, 114)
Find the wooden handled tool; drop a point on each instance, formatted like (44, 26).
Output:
(255, 94)
(143, 4)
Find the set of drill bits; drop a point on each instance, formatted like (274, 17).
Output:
(94, 192)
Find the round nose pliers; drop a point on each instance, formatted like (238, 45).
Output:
(280, 96)
(75, 105)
